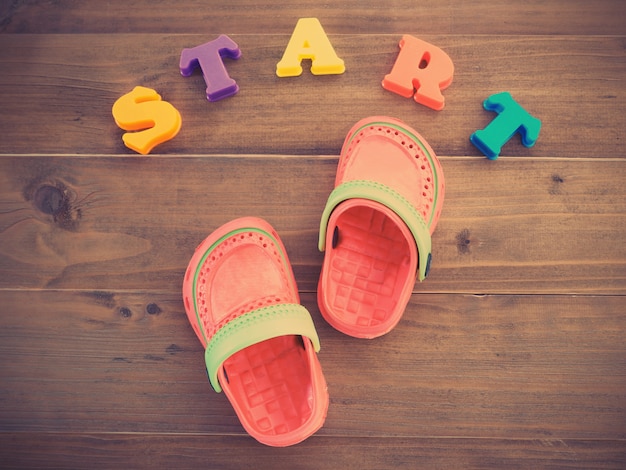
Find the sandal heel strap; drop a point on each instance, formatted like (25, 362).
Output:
(253, 327)
(390, 198)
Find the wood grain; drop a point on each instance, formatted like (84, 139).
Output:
(495, 366)
(512, 354)
(165, 451)
(511, 17)
(62, 89)
(512, 226)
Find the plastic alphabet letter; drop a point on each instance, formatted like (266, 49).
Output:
(511, 119)
(142, 110)
(209, 57)
(309, 41)
(422, 67)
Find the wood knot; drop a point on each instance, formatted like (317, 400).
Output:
(50, 200)
(153, 309)
(173, 349)
(125, 312)
(57, 200)
(463, 241)
(555, 185)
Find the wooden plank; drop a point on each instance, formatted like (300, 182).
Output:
(137, 450)
(511, 226)
(58, 91)
(503, 367)
(351, 16)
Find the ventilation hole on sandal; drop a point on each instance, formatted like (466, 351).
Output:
(425, 186)
(423, 167)
(335, 237)
(187, 303)
(424, 194)
(410, 146)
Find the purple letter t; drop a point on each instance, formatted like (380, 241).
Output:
(209, 57)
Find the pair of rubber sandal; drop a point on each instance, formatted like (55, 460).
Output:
(242, 300)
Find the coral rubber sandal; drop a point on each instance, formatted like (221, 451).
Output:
(376, 227)
(261, 346)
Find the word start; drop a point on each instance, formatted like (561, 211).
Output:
(421, 71)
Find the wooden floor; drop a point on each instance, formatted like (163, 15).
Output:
(512, 354)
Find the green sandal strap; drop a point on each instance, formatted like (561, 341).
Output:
(390, 198)
(252, 328)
